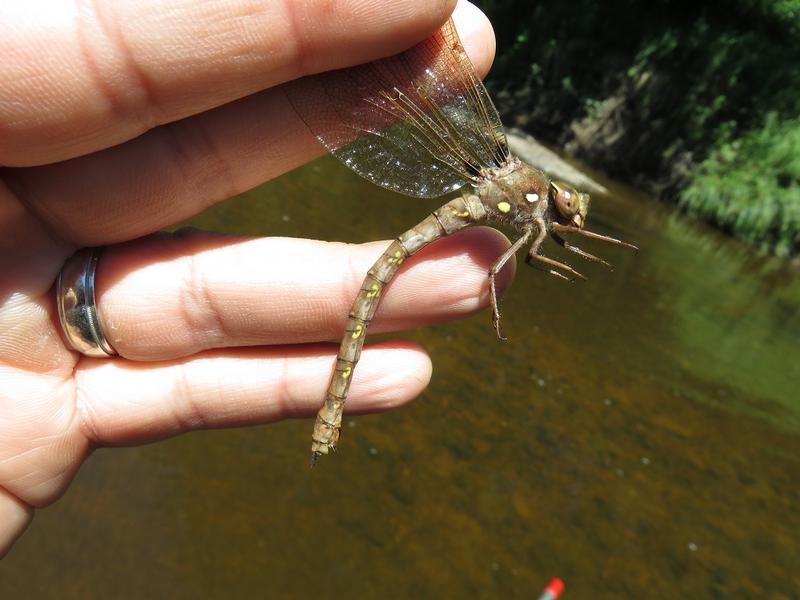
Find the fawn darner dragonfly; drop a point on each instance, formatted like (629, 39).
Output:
(421, 123)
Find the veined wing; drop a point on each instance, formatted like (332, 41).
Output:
(420, 123)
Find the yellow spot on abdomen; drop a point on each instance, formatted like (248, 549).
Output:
(358, 331)
(397, 258)
(375, 289)
(503, 207)
(346, 373)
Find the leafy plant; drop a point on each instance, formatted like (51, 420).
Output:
(751, 186)
(671, 94)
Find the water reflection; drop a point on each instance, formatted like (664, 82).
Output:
(638, 436)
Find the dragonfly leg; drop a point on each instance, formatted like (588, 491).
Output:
(567, 246)
(534, 256)
(590, 234)
(557, 265)
(550, 271)
(495, 269)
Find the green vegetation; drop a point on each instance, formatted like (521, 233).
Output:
(696, 100)
(751, 186)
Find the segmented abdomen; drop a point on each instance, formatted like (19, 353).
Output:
(453, 216)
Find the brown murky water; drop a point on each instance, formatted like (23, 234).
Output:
(643, 441)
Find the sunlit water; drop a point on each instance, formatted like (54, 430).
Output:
(638, 437)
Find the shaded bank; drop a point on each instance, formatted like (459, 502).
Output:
(698, 102)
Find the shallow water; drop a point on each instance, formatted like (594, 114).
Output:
(638, 436)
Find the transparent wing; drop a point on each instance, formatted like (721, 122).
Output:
(420, 123)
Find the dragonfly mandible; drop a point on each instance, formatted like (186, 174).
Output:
(422, 123)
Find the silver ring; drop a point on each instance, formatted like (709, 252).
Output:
(77, 310)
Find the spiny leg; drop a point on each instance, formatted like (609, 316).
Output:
(533, 255)
(567, 246)
(590, 234)
(556, 264)
(546, 270)
(495, 269)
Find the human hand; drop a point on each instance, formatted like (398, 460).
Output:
(119, 119)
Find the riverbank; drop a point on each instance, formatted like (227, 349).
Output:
(540, 156)
(694, 102)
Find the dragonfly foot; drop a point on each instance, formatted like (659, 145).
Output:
(532, 259)
(559, 275)
(496, 325)
(588, 256)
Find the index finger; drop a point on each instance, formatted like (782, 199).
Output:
(77, 77)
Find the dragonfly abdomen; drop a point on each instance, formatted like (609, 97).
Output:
(451, 217)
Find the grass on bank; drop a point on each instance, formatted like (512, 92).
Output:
(751, 187)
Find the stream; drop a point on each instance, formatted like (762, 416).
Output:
(638, 436)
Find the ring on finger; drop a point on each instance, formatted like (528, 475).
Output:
(77, 309)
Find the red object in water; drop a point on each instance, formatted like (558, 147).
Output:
(553, 590)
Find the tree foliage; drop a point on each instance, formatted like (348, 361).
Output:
(659, 92)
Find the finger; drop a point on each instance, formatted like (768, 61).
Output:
(166, 297)
(122, 402)
(81, 76)
(15, 516)
(175, 171)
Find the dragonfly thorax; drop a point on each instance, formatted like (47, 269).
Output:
(516, 194)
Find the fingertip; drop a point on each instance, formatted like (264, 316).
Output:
(377, 388)
(15, 516)
(491, 244)
(476, 34)
(463, 260)
(387, 28)
(486, 245)
(358, 31)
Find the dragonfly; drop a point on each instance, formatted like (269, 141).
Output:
(421, 123)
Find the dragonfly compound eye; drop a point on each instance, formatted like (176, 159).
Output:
(566, 198)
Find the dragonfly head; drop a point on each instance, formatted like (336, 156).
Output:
(571, 205)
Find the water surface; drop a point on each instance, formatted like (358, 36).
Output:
(638, 436)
